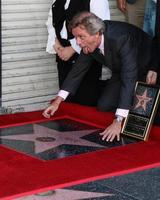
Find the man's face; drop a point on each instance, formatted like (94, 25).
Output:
(87, 42)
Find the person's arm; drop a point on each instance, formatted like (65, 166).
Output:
(100, 8)
(153, 64)
(75, 76)
(128, 55)
(121, 4)
(114, 130)
(51, 34)
(53, 107)
(70, 84)
(66, 53)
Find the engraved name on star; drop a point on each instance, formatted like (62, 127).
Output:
(45, 138)
(142, 101)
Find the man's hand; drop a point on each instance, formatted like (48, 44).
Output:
(112, 131)
(50, 110)
(151, 77)
(121, 5)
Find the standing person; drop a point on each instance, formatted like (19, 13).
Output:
(154, 29)
(134, 10)
(125, 50)
(157, 51)
(62, 42)
(150, 17)
(157, 24)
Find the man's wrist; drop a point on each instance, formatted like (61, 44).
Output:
(57, 100)
(63, 94)
(119, 118)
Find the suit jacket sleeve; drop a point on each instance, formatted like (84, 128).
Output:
(129, 70)
(75, 76)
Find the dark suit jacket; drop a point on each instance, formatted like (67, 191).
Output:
(127, 54)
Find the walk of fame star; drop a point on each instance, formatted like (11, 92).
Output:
(45, 138)
(65, 194)
(142, 101)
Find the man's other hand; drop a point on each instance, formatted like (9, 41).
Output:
(112, 131)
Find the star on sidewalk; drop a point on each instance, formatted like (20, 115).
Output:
(64, 194)
(45, 138)
(142, 101)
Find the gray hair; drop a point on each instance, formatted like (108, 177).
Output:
(89, 21)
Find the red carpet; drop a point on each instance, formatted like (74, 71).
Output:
(24, 175)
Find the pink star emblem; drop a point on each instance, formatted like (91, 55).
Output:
(142, 100)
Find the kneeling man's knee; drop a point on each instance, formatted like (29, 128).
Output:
(105, 106)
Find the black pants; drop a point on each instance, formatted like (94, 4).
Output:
(109, 97)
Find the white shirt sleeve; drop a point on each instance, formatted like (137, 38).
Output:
(75, 46)
(62, 93)
(100, 8)
(51, 34)
(63, 32)
(122, 112)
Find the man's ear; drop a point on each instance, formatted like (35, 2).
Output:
(97, 35)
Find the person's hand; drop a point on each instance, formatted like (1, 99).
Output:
(66, 53)
(151, 77)
(58, 49)
(112, 131)
(50, 110)
(57, 46)
(121, 5)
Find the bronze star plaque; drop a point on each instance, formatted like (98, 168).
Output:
(140, 117)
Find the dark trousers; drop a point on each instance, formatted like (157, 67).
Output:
(109, 96)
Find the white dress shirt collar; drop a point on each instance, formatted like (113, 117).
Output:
(101, 46)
